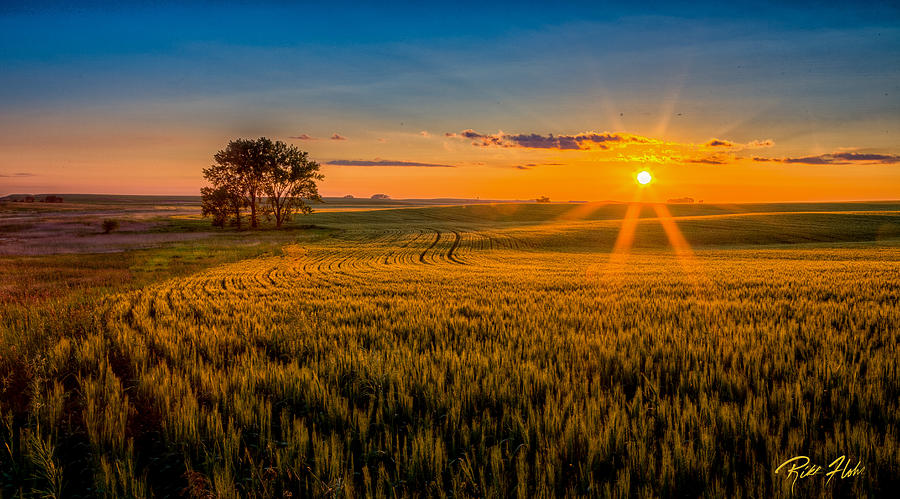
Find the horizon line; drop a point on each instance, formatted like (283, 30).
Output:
(475, 200)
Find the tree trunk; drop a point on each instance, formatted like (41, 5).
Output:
(279, 218)
(253, 221)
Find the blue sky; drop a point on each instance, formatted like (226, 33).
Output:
(82, 88)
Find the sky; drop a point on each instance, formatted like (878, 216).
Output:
(749, 102)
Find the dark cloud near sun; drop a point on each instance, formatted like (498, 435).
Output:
(838, 158)
(879, 158)
(710, 160)
(581, 141)
(588, 141)
(348, 162)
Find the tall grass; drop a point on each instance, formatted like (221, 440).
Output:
(431, 362)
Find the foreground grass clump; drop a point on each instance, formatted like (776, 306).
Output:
(435, 362)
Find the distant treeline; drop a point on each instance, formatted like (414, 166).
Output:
(684, 200)
(31, 199)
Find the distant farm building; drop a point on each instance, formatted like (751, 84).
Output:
(681, 201)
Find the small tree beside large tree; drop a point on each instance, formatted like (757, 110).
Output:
(248, 172)
(221, 203)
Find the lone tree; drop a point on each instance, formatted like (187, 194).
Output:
(248, 172)
(109, 225)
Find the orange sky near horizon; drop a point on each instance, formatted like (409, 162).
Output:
(490, 166)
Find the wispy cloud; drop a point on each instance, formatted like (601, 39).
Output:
(338, 136)
(730, 144)
(528, 166)
(302, 136)
(385, 162)
(838, 158)
(14, 175)
(757, 144)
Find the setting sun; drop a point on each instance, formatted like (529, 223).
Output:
(644, 177)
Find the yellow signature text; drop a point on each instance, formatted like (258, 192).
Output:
(799, 467)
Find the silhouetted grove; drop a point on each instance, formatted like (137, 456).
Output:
(31, 199)
(262, 176)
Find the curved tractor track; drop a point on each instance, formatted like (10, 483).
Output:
(352, 259)
(151, 326)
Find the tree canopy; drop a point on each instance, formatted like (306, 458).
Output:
(268, 177)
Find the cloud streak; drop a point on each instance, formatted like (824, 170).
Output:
(338, 136)
(528, 166)
(838, 158)
(17, 175)
(586, 141)
(378, 162)
(737, 146)
(582, 141)
(302, 136)
(709, 160)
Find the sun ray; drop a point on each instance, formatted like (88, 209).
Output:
(626, 234)
(683, 252)
(673, 233)
(614, 268)
(622, 247)
(670, 101)
(614, 265)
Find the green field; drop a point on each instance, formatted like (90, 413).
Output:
(497, 350)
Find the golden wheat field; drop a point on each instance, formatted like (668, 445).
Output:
(475, 352)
